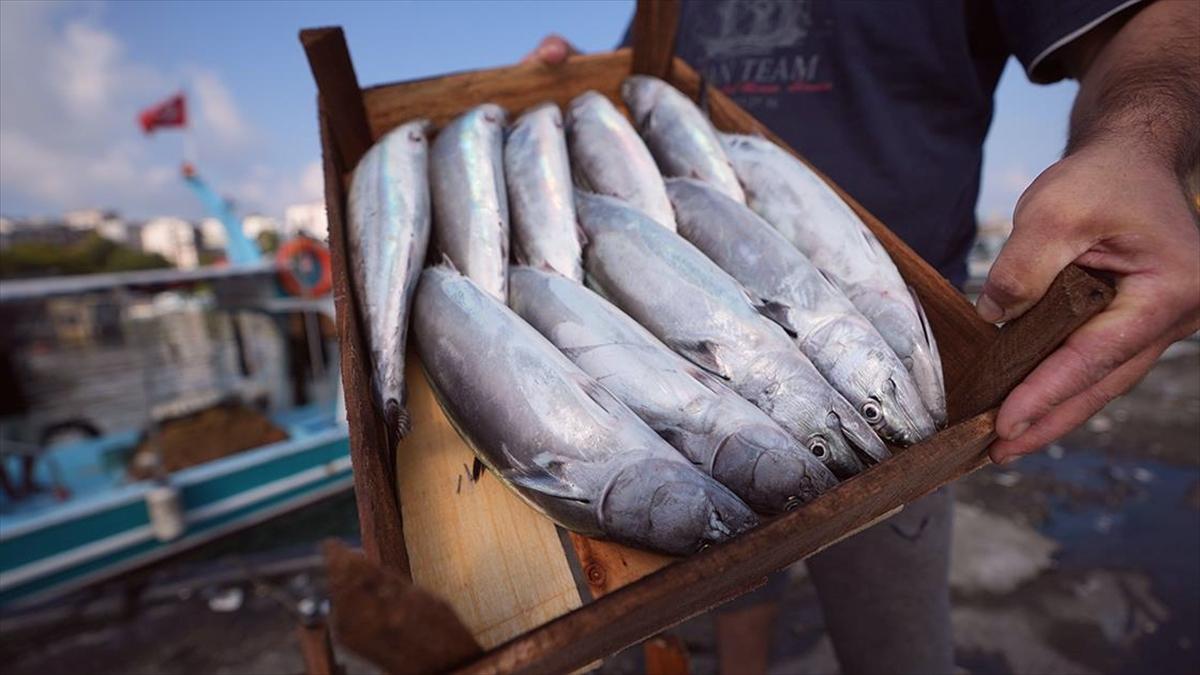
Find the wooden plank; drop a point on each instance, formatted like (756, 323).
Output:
(1073, 298)
(495, 560)
(607, 566)
(378, 509)
(514, 87)
(654, 27)
(382, 617)
(695, 584)
(959, 330)
(337, 84)
(666, 655)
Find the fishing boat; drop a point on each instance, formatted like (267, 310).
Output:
(119, 372)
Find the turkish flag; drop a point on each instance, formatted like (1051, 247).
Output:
(170, 113)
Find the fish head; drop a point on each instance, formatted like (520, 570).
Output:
(764, 465)
(641, 94)
(843, 440)
(893, 407)
(670, 506)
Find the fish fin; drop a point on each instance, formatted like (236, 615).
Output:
(449, 263)
(599, 395)
(710, 381)
(929, 337)
(546, 484)
(833, 283)
(779, 313)
(876, 249)
(703, 353)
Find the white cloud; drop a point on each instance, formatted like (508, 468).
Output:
(69, 95)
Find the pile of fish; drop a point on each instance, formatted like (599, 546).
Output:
(692, 328)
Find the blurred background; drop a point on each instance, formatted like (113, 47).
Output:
(1083, 559)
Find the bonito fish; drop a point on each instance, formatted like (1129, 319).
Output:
(839, 341)
(703, 314)
(470, 202)
(540, 196)
(679, 136)
(554, 434)
(608, 157)
(795, 201)
(713, 427)
(389, 232)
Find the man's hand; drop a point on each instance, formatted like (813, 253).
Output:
(1116, 204)
(553, 50)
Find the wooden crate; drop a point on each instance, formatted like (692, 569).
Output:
(539, 602)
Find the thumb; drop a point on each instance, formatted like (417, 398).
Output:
(1032, 257)
(552, 50)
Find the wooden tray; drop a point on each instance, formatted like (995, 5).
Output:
(535, 599)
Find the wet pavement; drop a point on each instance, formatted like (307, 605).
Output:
(1082, 559)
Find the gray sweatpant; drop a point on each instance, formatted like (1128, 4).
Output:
(886, 596)
(885, 593)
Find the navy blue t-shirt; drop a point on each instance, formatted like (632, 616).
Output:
(892, 100)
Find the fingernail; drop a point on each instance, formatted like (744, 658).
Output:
(1018, 429)
(1009, 460)
(988, 309)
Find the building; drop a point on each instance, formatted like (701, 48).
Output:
(308, 220)
(174, 239)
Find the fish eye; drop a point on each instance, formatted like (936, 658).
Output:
(817, 446)
(871, 412)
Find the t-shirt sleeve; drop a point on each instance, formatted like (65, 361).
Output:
(1036, 29)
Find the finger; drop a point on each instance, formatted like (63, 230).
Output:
(1079, 408)
(1032, 257)
(1133, 322)
(552, 51)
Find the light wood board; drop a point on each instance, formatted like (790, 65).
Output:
(499, 563)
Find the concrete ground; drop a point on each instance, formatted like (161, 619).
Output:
(1083, 559)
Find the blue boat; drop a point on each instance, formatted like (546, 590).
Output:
(90, 521)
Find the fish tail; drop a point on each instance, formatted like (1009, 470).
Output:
(399, 422)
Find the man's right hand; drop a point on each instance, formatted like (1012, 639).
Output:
(553, 50)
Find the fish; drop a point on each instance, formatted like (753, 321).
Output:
(470, 200)
(540, 197)
(609, 158)
(680, 137)
(806, 211)
(388, 232)
(786, 287)
(714, 428)
(555, 435)
(700, 312)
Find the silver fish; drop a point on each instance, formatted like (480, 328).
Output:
(470, 202)
(540, 197)
(795, 201)
(554, 434)
(679, 136)
(703, 314)
(713, 427)
(789, 289)
(388, 230)
(608, 157)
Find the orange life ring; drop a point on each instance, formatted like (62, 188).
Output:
(298, 259)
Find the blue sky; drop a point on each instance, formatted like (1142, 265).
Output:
(72, 77)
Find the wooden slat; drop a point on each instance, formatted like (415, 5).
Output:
(337, 85)
(496, 561)
(1073, 298)
(691, 586)
(606, 566)
(515, 87)
(654, 27)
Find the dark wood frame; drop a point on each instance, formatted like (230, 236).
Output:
(982, 363)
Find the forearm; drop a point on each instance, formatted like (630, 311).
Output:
(1140, 85)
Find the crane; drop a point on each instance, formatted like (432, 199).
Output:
(239, 249)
